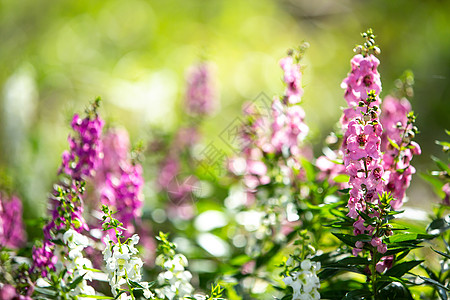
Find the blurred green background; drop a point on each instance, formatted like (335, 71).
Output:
(56, 56)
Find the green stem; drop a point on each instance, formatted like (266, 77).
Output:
(373, 271)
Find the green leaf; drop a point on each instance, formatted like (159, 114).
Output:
(309, 169)
(443, 144)
(135, 284)
(442, 165)
(435, 182)
(240, 260)
(441, 253)
(77, 281)
(394, 144)
(344, 191)
(401, 269)
(341, 178)
(349, 261)
(407, 237)
(434, 283)
(45, 291)
(395, 291)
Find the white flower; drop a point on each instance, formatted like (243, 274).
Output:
(304, 283)
(72, 239)
(306, 264)
(123, 264)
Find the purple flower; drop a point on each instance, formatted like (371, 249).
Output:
(292, 77)
(119, 182)
(12, 234)
(85, 148)
(200, 93)
(44, 259)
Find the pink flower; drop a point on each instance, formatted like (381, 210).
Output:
(200, 93)
(12, 233)
(385, 263)
(292, 78)
(397, 163)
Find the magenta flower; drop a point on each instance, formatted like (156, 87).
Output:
(44, 259)
(119, 182)
(200, 94)
(85, 148)
(12, 233)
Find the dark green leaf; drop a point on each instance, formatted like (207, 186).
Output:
(357, 295)
(135, 284)
(395, 291)
(400, 269)
(74, 283)
(351, 239)
(434, 283)
(441, 253)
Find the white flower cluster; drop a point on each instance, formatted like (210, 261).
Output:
(73, 262)
(304, 282)
(174, 282)
(76, 264)
(124, 265)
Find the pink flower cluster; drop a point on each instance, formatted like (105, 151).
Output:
(362, 133)
(278, 133)
(362, 79)
(200, 100)
(12, 234)
(9, 292)
(293, 79)
(85, 148)
(397, 164)
(200, 94)
(361, 143)
(119, 181)
(289, 128)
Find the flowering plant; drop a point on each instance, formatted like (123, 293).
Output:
(274, 222)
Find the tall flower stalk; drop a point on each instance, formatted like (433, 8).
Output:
(63, 243)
